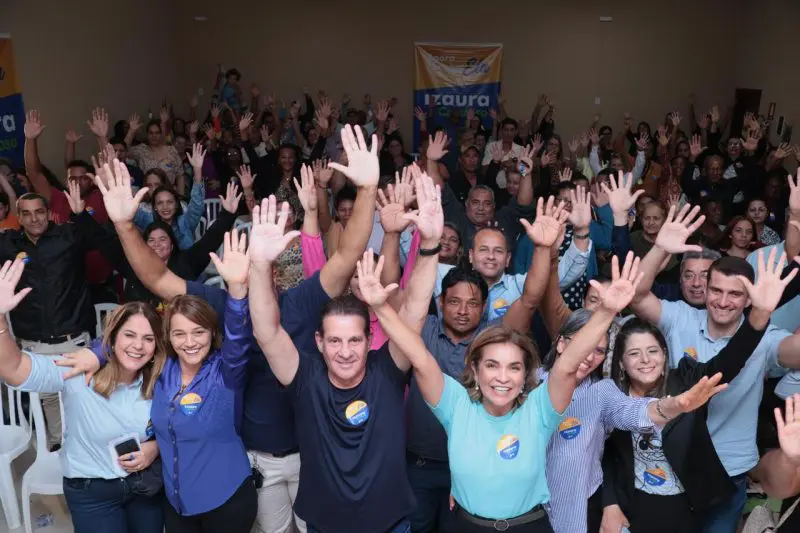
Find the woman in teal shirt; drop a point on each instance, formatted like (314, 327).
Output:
(498, 420)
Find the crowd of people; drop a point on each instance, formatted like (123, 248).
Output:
(502, 332)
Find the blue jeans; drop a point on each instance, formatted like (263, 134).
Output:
(402, 527)
(724, 517)
(110, 506)
(430, 483)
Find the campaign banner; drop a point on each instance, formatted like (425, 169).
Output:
(453, 76)
(12, 110)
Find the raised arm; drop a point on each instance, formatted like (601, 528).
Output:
(363, 170)
(322, 175)
(33, 165)
(14, 367)
(121, 206)
(437, 149)
(543, 233)
(267, 241)
(568, 371)
(407, 349)
(671, 239)
(70, 140)
(779, 470)
(133, 126)
(792, 245)
(392, 208)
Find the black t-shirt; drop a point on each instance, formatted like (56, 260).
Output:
(353, 469)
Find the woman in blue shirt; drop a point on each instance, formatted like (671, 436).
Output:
(104, 492)
(498, 419)
(166, 205)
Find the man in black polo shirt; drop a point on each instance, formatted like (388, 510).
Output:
(57, 316)
(267, 428)
(349, 402)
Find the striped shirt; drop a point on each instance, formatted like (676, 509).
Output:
(574, 471)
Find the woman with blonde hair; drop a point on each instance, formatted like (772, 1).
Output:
(107, 490)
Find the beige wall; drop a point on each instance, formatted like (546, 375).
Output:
(74, 55)
(645, 62)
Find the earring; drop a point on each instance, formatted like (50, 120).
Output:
(477, 387)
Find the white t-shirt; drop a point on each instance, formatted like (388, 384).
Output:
(515, 151)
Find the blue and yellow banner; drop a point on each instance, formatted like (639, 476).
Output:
(456, 76)
(12, 110)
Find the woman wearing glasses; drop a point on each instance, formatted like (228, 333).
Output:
(657, 482)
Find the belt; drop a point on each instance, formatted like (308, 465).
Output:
(503, 525)
(282, 454)
(58, 339)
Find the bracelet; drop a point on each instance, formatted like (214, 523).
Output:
(660, 412)
(432, 251)
(581, 237)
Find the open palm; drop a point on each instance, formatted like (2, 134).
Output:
(620, 292)
(429, 219)
(678, 228)
(369, 280)
(114, 183)
(234, 267)
(267, 238)
(789, 428)
(619, 193)
(362, 162)
(391, 211)
(581, 215)
(768, 289)
(10, 275)
(549, 220)
(700, 393)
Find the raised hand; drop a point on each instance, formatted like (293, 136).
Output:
(788, 428)
(573, 145)
(99, 122)
(584, 140)
(369, 280)
(215, 111)
(676, 118)
(114, 183)
(679, 227)
(619, 192)
(537, 143)
(72, 137)
(245, 121)
(696, 147)
(783, 151)
(714, 115)
(33, 125)
(767, 291)
(404, 184)
(794, 193)
(10, 275)
(391, 209)
(699, 395)
(549, 220)
(246, 178)
(362, 162)
(496, 151)
(420, 114)
(194, 126)
(429, 218)
(704, 122)
(210, 133)
(267, 237)
(306, 189)
(322, 172)
(594, 137)
(73, 194)
(753, 136)
(163, 115)
(264, 131)
(581, 215)
(437, 146)
(599, 196)
(565, 174)
(230, 202)
(197, 157)
(234, 267)
(382, 111)
(641, 142)
(526, 156)
(620, 292)
(134, 122)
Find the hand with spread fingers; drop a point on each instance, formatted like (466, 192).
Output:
(362, 162)
(114, 182)
(369, 280)
(678, 228)
(550, 220)
(10, 274)
(268, 236)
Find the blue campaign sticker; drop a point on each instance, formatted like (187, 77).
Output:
(569, 428)
(190, 403)
(508, 446)
(357, 413)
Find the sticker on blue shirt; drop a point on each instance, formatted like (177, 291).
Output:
(149, 431)
(569, 428)
(655, 476)
(22, 256)
(357, 413)
(691, 351)
(508, 447)
(190, 403)
(90, 210)
(500, 307)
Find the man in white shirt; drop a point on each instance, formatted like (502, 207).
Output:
(510, 149)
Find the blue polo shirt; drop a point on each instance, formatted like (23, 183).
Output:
(425, 436)
(733, 412)
(353, 468)
(268, 418)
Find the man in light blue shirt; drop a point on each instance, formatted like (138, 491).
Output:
(701, 334)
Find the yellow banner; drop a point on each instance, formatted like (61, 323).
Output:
(8, 74)
(440, 65)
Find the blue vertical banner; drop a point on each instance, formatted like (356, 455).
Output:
(12, 110)
(450, 76)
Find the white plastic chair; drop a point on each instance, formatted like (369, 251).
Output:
(100, 312)
(15, 438)
(216, 281)
(44, 476)
(213, 205)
